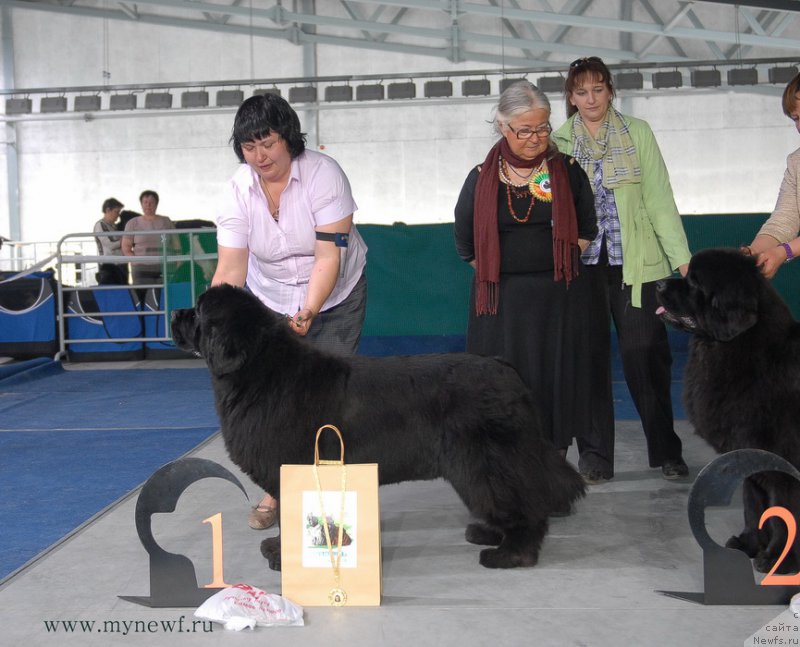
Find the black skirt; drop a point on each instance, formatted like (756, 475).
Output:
(541, 328)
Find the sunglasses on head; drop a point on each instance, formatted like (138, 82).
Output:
(585, 60)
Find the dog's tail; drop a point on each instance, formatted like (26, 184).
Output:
(532, 485)
(566, 485)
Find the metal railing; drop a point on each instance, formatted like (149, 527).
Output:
(17, 256)
(76, 273)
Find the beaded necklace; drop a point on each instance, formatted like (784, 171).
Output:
(519, 190)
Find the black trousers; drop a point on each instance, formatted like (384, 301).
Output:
(646, 364)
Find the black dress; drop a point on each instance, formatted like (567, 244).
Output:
(540, 326)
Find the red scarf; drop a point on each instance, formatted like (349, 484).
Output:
(487, 237)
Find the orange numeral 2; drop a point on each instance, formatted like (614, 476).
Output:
(791, 532)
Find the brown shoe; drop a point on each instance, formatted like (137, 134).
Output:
(261, 518)
(595, 476)
(674, 469)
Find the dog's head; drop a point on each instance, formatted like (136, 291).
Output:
(226, 328)
(719, 298)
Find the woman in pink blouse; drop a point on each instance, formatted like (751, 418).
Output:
(285, 231)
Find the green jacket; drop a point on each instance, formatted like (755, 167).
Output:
(653, 241)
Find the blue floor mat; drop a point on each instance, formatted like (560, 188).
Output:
(73, 442)
(52, 482)
(107, 399)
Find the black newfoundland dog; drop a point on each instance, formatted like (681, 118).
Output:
(742, 382)
(464, 418)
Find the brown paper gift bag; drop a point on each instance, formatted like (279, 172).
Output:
(335, 563)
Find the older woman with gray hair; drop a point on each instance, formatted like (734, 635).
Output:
(522, 219)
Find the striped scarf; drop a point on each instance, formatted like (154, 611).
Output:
(613, 144)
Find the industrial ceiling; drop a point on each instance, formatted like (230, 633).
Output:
(540, 34)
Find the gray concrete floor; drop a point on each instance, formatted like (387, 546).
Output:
(596, 584)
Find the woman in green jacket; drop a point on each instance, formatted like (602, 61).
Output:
(640, 241)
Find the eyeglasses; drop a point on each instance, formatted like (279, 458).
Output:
(526, 133)
(585, 60)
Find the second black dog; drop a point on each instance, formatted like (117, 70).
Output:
(742, 383)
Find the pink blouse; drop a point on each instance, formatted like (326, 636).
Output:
(282, 253)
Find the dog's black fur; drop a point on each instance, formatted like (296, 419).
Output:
(465, 418)
(742, 382)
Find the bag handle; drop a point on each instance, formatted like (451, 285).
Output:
(317, 460)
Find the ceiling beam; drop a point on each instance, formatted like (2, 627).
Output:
(437, 27)
(775, 5)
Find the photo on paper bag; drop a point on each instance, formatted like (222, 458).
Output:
(315, 544)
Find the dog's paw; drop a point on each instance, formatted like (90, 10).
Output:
(500, 558)
(747, 542)
(271, 549)
(483, 535)
(765, 560)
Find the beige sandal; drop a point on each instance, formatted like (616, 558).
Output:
(261, 518)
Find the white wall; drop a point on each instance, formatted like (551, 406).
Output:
(725, 151)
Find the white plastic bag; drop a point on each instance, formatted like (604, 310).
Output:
(243, 606)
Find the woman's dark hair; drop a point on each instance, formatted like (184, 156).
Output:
(263, 114)
(790, 100)
(580, 70)
(150, 193)
(111, 203)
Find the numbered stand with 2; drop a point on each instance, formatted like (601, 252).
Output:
(727, 573)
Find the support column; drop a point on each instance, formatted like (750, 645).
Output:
(10, 132)
(310, 118)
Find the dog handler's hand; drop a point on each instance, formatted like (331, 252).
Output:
(301, 322)
(770, 260)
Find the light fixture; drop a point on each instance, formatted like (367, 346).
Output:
(226, 98)
(339, 93)
(303, 94)
(87, 103)
(706, 78)
(433, 89)
(667, 79)
(157, 100)
(781, 74)
(195, 99)
(18, 106)
(476, 87)
(550, 83)
(370, 92)
(743, 76)
(504, 83)
(122, 102)
(404, 90)
(276, 91)
(53, 104)
(629, 81)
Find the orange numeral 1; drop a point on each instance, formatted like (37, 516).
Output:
(216, 552)
(791, 532)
